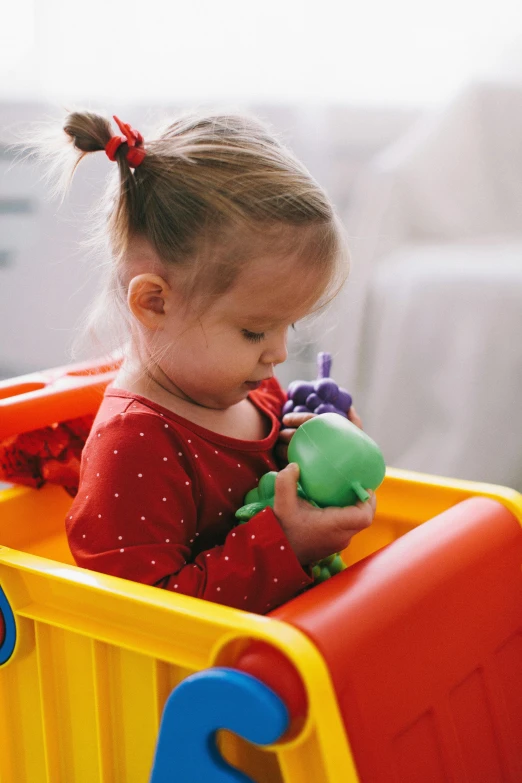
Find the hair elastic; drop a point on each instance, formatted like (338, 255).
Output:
(132, 138)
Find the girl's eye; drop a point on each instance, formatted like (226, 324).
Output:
(253, 337)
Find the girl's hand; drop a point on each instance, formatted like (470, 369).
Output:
(315, 533)
(291, 422)
(354, 417)
(294, 420)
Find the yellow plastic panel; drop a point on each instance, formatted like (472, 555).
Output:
(33, 521)
(22, 754)
(96, 659)
(406, 500)
(96, 656)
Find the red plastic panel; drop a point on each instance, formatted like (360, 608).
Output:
(274, 669)
(424, 643)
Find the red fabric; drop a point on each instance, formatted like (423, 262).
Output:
(157, 499)
(48, 454)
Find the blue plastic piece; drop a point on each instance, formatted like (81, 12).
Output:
(7, 644)
(219, 698)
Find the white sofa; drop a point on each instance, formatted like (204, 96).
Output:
(430, 331)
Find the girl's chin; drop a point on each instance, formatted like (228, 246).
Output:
(226, 401)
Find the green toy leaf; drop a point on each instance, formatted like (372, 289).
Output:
(252, 496)
(327, 567)
(266, 488)
(251, 509)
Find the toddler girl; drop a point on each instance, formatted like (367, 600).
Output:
(220, 241)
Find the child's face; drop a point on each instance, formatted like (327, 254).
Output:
(215, 360)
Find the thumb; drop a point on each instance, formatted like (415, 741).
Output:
(286, 490)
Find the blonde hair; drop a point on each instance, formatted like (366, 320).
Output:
(211, 191)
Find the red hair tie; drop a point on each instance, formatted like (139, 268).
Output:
(132, 138)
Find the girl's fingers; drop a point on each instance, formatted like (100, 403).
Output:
(281, 451)
(355, 418)
(285, 501)
(291, 422)
(296, 419)
(357, 517)
(368, 507)
(373, 500)
(285, 436)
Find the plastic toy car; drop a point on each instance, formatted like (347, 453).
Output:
(404, 668)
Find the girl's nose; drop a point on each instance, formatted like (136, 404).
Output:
(275, 351)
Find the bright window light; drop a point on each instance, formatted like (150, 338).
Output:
(279, 50)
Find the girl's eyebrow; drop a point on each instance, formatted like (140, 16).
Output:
(265, 320)
(262, 324)
(261, 321)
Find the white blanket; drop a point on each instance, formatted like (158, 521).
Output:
(433, 322)
(442, 361)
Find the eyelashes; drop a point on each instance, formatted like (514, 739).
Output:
(253, 337)
(256, 337)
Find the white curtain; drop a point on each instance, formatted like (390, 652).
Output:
(439, 362)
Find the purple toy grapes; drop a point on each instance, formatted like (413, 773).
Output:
(288, 407)
(327, 389)
(344, 400)
(326, 407)
(323, 396)
(324, 364)
(313, 401)
(298, 391)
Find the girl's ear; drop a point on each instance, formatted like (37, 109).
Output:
(149, 298)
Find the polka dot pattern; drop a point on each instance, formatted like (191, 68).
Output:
(159, 499)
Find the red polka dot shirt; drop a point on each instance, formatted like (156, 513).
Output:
(157, 499)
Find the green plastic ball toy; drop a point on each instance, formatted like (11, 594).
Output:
(338, 462)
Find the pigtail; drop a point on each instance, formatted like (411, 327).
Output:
(89, 132)
(207, 192)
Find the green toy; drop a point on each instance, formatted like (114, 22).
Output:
(338, 462)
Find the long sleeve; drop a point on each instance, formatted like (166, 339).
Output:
(142, 513)
(255, 569)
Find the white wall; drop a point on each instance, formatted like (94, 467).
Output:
(47, 279)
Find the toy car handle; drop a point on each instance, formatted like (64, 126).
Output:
(7, 629)
(39, 399)
(201, 705)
